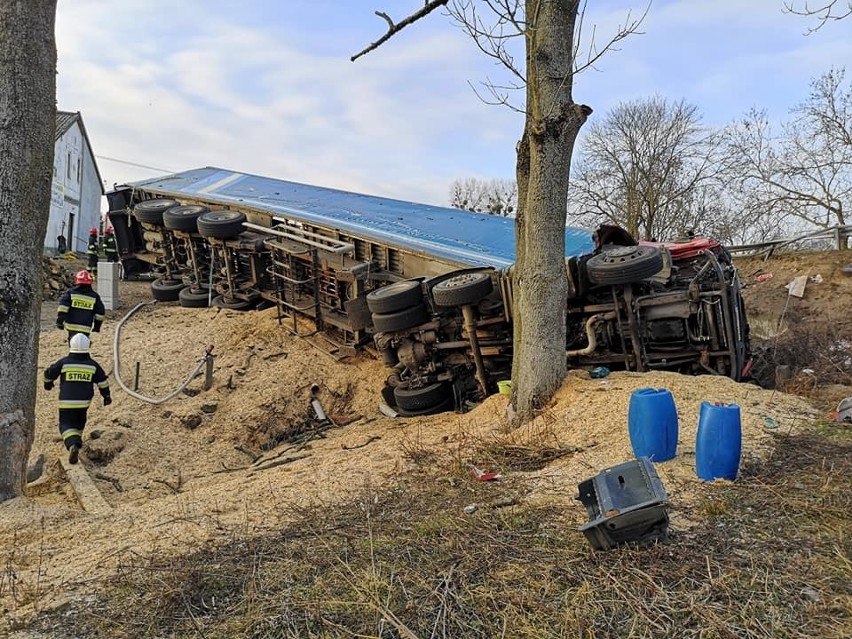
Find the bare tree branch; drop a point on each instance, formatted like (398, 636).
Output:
(824, 11)
(805, 172)
(650, 166)
(394, 28)
(629, 27)
(387, 18)
(492, 197)
(494, 36)
(500, 95)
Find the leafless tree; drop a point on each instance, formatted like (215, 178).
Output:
(27, 125)
(803, 172)
(648, 166)
(823, 11)
(494, 197)
(550, 31)
(496, 26)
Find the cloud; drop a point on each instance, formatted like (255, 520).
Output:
(267, 87)
(722, 55)
(214, 92)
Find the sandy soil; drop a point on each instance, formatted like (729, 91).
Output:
(181, 474)
(768, 301)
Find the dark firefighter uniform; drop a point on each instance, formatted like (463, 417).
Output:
(92, 250)
(78, 373)
(109, 246)
(80, 310)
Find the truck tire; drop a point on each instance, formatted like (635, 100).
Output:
(742, 341)
(467, 288)
(221, 224)
(424, 398)
(624, 264)
(189, 298)
(443, 407)
(394, 297)
(399, 321)
(165, 290)
(231, 303)
(151, 211)
(183, 218)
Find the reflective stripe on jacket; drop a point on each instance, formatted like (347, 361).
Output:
(81, 308)
(78, 374)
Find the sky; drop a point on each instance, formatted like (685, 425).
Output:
(267, 87)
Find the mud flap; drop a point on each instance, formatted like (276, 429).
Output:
(358, 313)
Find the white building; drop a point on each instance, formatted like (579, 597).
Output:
(75, 203)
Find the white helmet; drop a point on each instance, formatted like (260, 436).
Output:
(79, 343)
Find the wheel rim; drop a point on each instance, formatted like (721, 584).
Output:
(153, 206)
(221, 216)
(191, 210)
(394, 289)
(463, 280)
(621, 252)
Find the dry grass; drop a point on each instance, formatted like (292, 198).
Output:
(502, 450)
(767, 556)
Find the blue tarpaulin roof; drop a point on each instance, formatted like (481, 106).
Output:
(451, 234)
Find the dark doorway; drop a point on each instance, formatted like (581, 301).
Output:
(71, 238)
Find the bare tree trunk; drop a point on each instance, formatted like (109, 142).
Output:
(27, 125)
(544, 159)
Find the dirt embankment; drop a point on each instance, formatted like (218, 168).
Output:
(827, 296)
(809, 337)
(212, 464)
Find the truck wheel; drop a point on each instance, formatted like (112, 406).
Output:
(165, 290)
(741, 337)
(183, 218)
(467, 288)
(624, 264)
(151, 211)
(221, 224)
(394, 297)
(424, 398)
(230, 303)
(189, 298)
(399, 321)
(443, 407)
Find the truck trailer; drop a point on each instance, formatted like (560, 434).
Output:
(428, 289)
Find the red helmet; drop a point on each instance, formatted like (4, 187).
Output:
(83, 277)
(93, 231)
(108, 230)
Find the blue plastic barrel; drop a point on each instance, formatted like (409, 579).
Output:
(652, 424)
(718, 442)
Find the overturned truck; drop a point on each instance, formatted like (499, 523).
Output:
(428, 289)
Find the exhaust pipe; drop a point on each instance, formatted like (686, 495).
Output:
(590, 334)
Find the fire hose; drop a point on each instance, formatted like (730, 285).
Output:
(208, 353)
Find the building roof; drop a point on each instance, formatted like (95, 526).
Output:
(64, 121)
(453, 234)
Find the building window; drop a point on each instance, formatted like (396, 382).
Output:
(79, 172)
(68, 166)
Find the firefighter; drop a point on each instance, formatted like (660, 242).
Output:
(81, 309)
(109, 245)
(92, 249)
(78, 373)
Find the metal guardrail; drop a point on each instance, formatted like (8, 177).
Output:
(837, 235)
